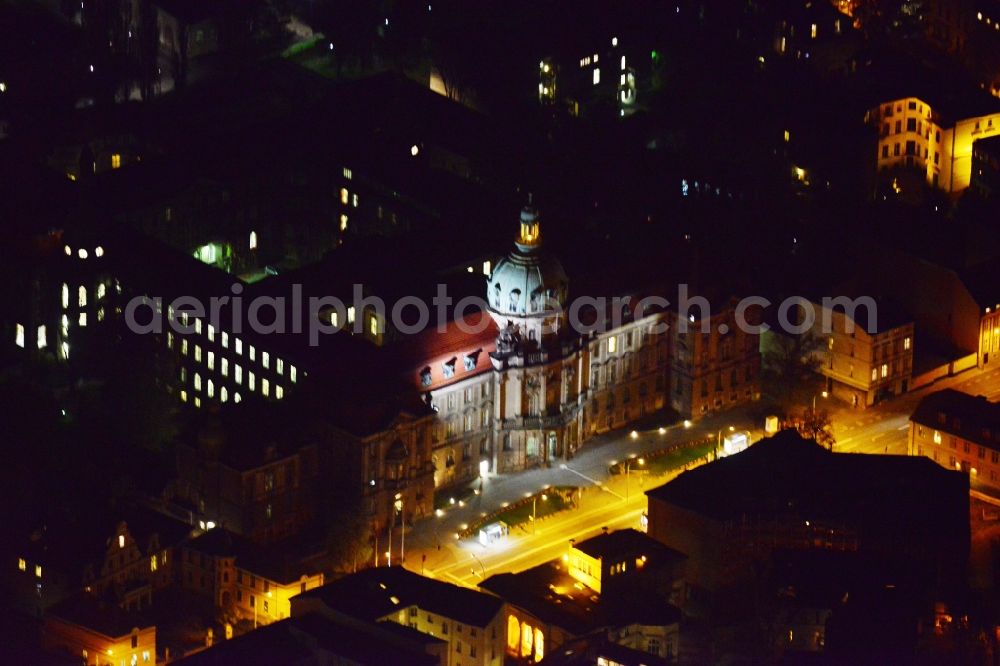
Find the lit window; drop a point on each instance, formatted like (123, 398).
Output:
(64, 328)
(197, 353)
(344, 196)
(251, 381)
(237, 397)
(937, 437)
(238, 374)
(874, 374)
(98, 251)
(225, 340)
(41, 339)
(350, 315)
(279, 366)
(197, 402)
(253, 240)
(343, 221)
(292, 372)
(64, 350)
(597, 75)
(612, 344)
(82, 253)
(197, 381)
(225, 367)
(812, 31)
(253, 353)
(211, 333)
(102, 291)
(354, 200)
(239, 346)
(885, 370)
(68, 250)
(211, 360)
(184, 346)
(100, 314)
(279, 391)
(265, 387)
(170, 340)
(197, 326)
(486, 268)
(265, 359)
(211, 389)
(38, 571)
(65, 296)
(21, 564)
(116, 160)
(83, 319)
(623, 63)
(373, 325)
(906, 343)
(19, 335)
(81, 296)
(348, 174)
(223, 394)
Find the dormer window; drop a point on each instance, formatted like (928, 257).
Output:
(425, 377)
(470, 361)
(449, 368)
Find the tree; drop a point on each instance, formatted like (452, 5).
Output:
(790, 365)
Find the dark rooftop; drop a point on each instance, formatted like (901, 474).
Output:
(276, 563)
(788, 478)
(961, 414)
(87, 610)
(375, 593)
(626, 542)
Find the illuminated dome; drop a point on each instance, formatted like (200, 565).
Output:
(527, 279)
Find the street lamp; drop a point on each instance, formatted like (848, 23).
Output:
(628, 466)
(824, 394)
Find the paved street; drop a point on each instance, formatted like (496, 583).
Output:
(432, 545)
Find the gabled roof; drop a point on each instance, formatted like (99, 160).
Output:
(373, 594)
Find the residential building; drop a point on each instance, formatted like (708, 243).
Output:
(472, 624)
(959, 432)
(246, 581)
(714, 363)
(99, 633)
(868, 356)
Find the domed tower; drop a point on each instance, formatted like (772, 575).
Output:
(527, 292)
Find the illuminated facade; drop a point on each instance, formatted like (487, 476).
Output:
(863, 368)
(960, 432)
(915, 136)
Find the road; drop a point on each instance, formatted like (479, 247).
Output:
(432, 546)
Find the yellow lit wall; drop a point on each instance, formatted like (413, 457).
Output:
(585, 569)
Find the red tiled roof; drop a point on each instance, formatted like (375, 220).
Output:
(433, 348)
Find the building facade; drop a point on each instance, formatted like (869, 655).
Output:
(862, 366)
(914, 135)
